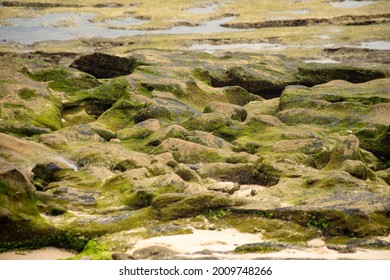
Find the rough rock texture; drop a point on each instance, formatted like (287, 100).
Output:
(188, 139)
(104, 66)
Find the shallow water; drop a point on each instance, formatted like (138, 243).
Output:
(377, 45)
(48, 27)
(322, 61)
(350, 4)
(209, 48)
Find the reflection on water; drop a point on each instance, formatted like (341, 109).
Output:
(235, 47)
(322, 61)
(377, 45)
(349, 4)
(50, 27)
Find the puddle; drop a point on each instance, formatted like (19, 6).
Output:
(235, 47)
(50, 27)
(377, 45)
(322, 61)
(350, 4)
(203, 10)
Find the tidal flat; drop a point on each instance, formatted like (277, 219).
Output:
(245, 129)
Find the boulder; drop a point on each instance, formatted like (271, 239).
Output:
(104, 65)
(174, 206)
(235, 112)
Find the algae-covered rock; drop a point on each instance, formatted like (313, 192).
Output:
(174, 206)
(314, 73)
(235, 112)
(17, 194)
(139, 131)
(188, 152)
(242, 173)
(103, 65)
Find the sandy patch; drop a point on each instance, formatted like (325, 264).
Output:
(47, 253)
(222, 243)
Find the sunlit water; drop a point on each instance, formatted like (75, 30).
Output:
(47, 27)
(350, 4)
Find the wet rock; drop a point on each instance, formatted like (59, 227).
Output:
(122, 256)
(264, 120)
(356, 168)
(314, 74)
(260, 247)
(342, 249)
(208, 122)
(174, 206)
(141, 130)
(385, 175)
(176, 107)
(49, 171)
(307, 146)
(225, 187)
(73, 195)
(187, 173)
(154, 253)
(347, 148)
(105, 66)
(235, 112)
(263, 107)
(239, 96)
(153, 112)
(187, 152)
(241, 173)
(306, 116)
(16, 193)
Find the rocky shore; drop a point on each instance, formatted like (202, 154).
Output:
(114, 153)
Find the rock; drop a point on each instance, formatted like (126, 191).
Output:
(314, 73)
(175, 107)
(260, 247)
(16, 193)
(306, 116)
(225, 187)
(105, 66)
(241, 173)
(154, 253)
(153, 112)
(174, 206)
(263, 107)
(264, 120)
(122, 256)
(78, 117)
(234, 112)
(141, 130)
(187, 173)
(49, 171)
(346, 148)
(187, 152)
(208, 122)
(307, 146)
(239, 96)
(384, 175)
(356, 168)
(72, 195)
